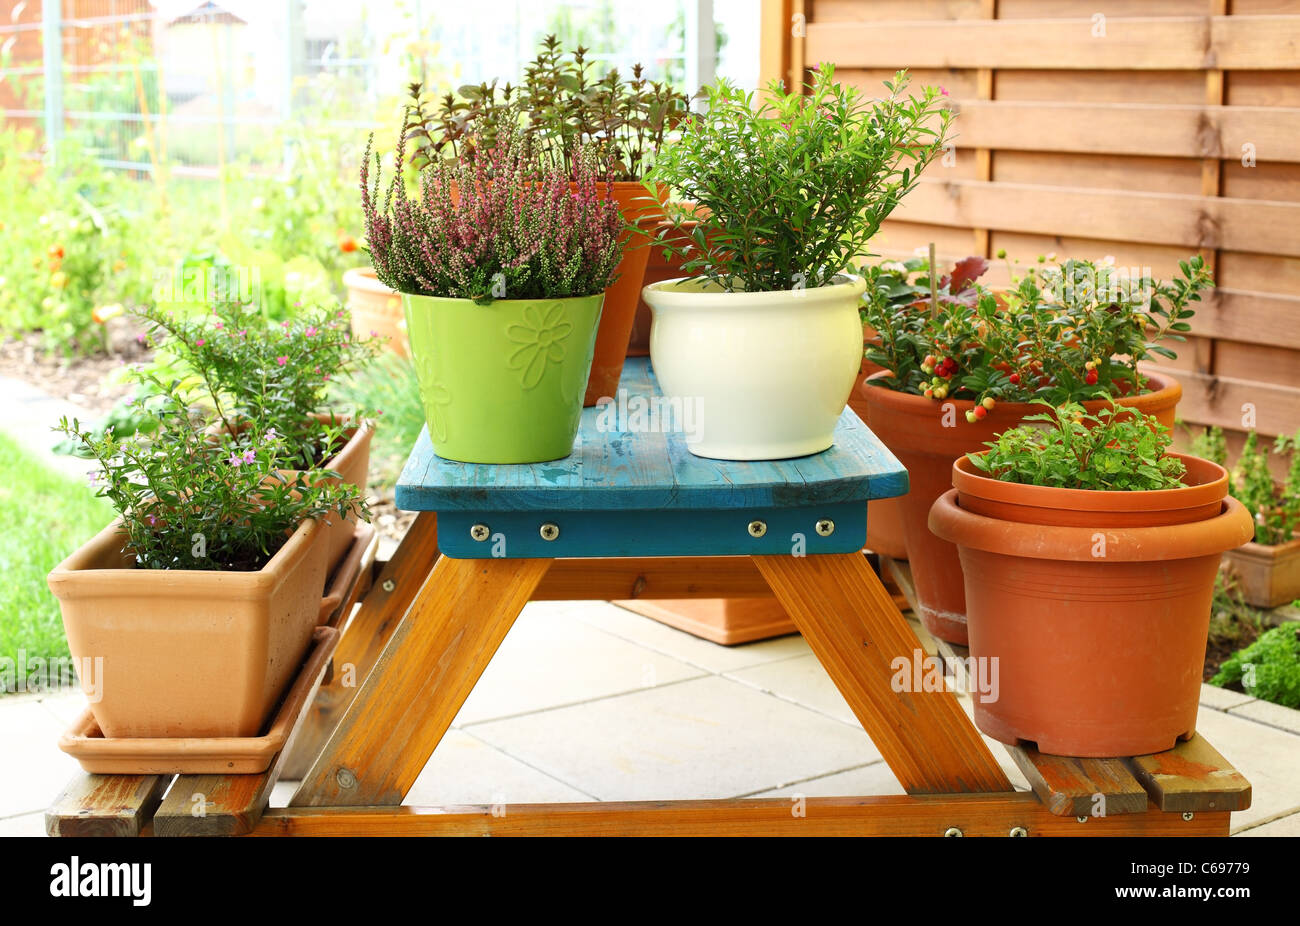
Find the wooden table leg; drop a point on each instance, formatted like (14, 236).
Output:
(426, 671)
(856, 631)
(364, 638)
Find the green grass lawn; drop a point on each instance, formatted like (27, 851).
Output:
(46, 516)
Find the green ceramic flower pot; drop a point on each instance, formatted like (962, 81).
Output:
(502, 383)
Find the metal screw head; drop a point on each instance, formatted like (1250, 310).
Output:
(825, 527)
(480, 532)
(389, 585)
(1188, 815)
(1018, 831)
(1081, 819)
(953, 831)
(346, 778)
(550, 531)
(757, 528)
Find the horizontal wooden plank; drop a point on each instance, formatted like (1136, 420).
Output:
(652, 577)
(1225, 401)
(1080, 787)
(1192, 777)
(1144, 43)
(1144, 129)
(918, 815)
(1249, 317)
(1164, 218)
(105, 805)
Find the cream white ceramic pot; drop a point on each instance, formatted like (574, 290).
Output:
(756, 376)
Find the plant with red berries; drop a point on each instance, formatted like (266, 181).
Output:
(1060, 334)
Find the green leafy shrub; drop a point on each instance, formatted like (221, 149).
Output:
(1060, 334)
(181, 482)
(1113, 450)
(793, 185)
(1275, 509)
(1269, 668)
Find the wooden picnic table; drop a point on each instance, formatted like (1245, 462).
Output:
(632, 514)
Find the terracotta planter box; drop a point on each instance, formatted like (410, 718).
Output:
(1268, 576)
(352, 463)
(376, 308)
(188, 653)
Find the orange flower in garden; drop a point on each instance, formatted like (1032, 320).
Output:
(103, 313)
(56, 252)
(119, 265)
(347, 244)
(58, 279)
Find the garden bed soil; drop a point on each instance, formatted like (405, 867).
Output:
(85, 381)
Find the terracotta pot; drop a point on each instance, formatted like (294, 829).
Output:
(657, 269)
(188, 653)
(927, 436)
(622, 298)
(1097, 632)
(352, 463)
(1268, 575)
(375, 309)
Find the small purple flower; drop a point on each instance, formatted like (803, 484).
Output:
(250, 456)
(282, 360)
(943, 90)
(139, 339)
(271, 434)
(199, 342)
(234, 460)
(152, 519)
(311, 331)
(220, 325)
(284, 324)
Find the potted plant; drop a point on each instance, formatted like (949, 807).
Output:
(196, 605)
(765, 334)
(567, 107)
(502, 284)
(959, 372)
(261, 377)
(1268, 567)
(1089, 554)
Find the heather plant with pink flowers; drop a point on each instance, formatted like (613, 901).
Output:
(189, 501)
(497, 223)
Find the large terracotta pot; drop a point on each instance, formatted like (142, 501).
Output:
(188, 653)
(621, 299)
(374, 308)
(1268, 575)
(657, 269)
(884, 515)
(928, 436)
(1095, 631)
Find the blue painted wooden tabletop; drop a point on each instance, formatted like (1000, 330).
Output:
(619, 470)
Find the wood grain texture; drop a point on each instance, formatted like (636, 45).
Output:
(1222, 400)
(1128, 43)
(653, 577)
(1141, 129)
(364, 639)
(1192, 777)
(1161, 218)
(105, 805)
(856, 632)
(1079, 787)
(920, 815)
(426, 671)
(652, 470)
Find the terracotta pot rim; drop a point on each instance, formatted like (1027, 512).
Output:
(1205, 491)
(1212, 536)
(1167, 388)
(364, 278)
(75, 577)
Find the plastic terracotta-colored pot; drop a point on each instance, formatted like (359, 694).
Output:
(503, 382)
(657, 269)
(352, 463)
(1205, 485)
(188, 653)
(927, 436)
(621, 299)
(375, 309)
(1095, 635)
(767, 373)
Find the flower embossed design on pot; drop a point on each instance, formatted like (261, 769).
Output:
(438, 398)
(541, 339)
